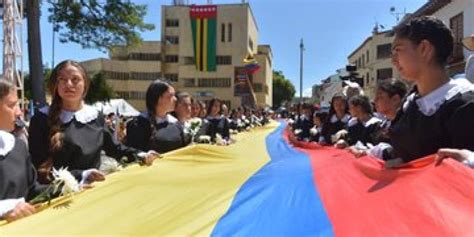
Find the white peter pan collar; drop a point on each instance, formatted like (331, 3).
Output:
(429, 104)
(7, 142)
(84, 115)
(344, 119)
(215, 117)
(371, 121)
(169, 118)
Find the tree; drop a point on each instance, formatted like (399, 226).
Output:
(283, 90)
(28, 82)
(99, 90)
(90, 23)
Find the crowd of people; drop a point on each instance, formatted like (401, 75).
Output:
(69, 133)
(402, 124)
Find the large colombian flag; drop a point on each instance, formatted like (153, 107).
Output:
(264, 186)
(203, 26)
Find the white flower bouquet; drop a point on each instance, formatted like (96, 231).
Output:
(63, 181)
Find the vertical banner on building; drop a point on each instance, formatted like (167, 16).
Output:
(240, 82)
(204, 27)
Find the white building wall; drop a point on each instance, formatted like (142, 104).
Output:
(453, 9)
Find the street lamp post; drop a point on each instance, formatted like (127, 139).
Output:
(301, 70)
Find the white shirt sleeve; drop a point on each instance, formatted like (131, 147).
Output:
(470, 160)
(8, 205)
(377, 151)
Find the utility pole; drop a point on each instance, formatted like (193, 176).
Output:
(301, 70)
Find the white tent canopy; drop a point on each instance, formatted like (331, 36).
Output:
(117, 106)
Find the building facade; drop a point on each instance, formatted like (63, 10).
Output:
(373, 61)
(458, 15)
(130, 70)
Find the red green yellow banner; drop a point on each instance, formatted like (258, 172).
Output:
(204, 26)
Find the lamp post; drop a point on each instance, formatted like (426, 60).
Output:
(301, 70)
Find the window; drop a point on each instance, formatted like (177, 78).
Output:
(172, 23)
(367, 56)
(189, 60)
(229, 31)
(189, 82)
(214, 82)
(257, 87)
(224, 60)
(137, 95)
(223, 32)
(384, 51)
(145, 76)
(457, 27)
(116, 75)
(122, 94)
(251, 44)
(173, 77)
(384, 73)
(171, 58)
(363, 60)
(172, 39)
(204, 94)
(145, 56)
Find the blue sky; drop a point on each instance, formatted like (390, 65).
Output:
(331, 30)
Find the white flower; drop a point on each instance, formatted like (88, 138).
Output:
(291, 121)
(193, 125)
(298, 131)
(339, 135)
(220, 140)
(64, 177)
(313, 131)
(204, 139)
(109, 165)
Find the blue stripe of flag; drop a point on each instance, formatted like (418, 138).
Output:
(279, 200)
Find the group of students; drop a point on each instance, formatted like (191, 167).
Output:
(69, 133)
(433, 117)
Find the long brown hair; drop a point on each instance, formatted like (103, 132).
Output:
(56, 134)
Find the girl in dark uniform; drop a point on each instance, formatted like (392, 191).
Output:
(363, 126)
(215, 123)
(17, 174)
(388, 98)
(156, 129)
(439, 111)
(338, 118)
(182, 112)
(304, 123)
(72, 134)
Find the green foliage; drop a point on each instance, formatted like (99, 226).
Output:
(99, 90)
(28, 85)
(99, 24)
(283, 90)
